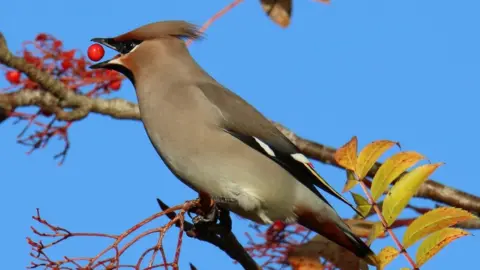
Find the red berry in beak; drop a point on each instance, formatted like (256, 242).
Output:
(95, 52)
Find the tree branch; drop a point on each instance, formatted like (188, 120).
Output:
(115, 108)
(56, 97)
(47, 82)
(430, 189)
(227, 242)
(223, 239)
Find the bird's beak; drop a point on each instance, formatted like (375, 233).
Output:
(110, 43)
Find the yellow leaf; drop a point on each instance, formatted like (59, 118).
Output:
(346, 156)
(391, 169)
(386, 256)
(404, 268)
(398, 197)
(279, 11)
(436, 241)
(432, 221)
(351, 181)
(362, 204)
(377, 230)
(369, 155)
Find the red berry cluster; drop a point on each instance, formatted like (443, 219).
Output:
(70, 67)
(48, 54)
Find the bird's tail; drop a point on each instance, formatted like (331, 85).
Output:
(360, 248)
(341, 235)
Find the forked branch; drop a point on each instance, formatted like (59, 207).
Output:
(111, 256)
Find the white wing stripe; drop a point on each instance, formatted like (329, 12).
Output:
(265, 147)
(301, 158)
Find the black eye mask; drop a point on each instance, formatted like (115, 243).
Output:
(126, 46)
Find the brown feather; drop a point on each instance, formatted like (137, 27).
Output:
(336, 234)
(162, 29)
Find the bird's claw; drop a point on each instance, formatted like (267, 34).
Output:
(206, 218)
(216, 221)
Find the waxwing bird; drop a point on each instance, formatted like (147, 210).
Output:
(218, 144)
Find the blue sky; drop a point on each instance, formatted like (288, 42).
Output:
(398, 70)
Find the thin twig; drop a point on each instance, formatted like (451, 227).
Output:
(388, 228)
(215, 17)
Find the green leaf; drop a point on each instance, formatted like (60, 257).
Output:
(351, 181)
(362, 204)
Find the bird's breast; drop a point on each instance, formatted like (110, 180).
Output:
(181, 125)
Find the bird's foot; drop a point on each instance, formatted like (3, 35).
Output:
(205, 209)
(210, 217)
(216, 220)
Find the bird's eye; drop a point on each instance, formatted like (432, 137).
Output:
(128, 46)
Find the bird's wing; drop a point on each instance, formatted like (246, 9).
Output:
(247, 124)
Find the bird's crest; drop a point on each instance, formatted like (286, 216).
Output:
(162, 29)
